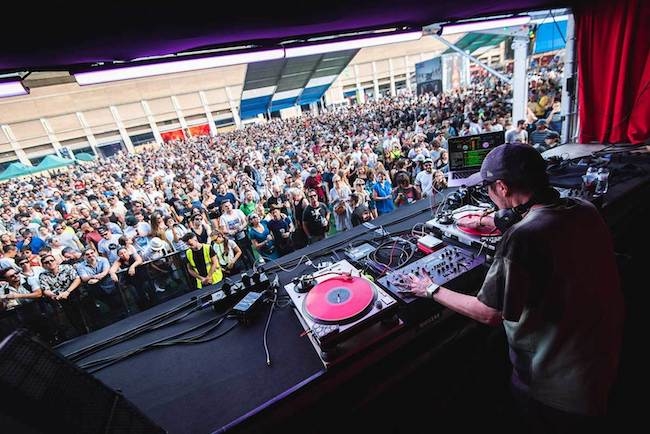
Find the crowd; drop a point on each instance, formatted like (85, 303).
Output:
(253, 194)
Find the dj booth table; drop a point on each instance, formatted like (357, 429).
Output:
(226, 385)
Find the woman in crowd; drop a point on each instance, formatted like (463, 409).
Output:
(261, 237)
(340, 197)
(405, 193)
(174, 234)
(298, 204)
(228, 253)
(382, 194)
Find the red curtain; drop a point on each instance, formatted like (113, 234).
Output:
(613, 52)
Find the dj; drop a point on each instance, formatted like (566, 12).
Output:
(554, 286)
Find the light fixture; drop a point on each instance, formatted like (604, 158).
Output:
(477, 26)
(104, 75)
(352, 43)
(12, 88)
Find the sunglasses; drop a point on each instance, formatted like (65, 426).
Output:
(48, 261)
(313, 195)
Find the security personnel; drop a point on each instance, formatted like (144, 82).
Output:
(202, 262)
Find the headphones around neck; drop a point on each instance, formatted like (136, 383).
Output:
(504, 219)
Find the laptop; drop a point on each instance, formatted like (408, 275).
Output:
(466, 154)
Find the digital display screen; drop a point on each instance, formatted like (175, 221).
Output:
(468, 152)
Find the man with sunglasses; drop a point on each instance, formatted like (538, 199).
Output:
(60, 284)
(315, 218)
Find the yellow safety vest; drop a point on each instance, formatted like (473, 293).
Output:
(216, 276)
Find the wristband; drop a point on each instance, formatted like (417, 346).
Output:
(432, 289)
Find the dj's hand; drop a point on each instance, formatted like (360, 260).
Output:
(415, 285)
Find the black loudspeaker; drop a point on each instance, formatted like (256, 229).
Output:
(43, 392)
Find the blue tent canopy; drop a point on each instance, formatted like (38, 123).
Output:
(84, 156)
(52, 162)
(15, 170)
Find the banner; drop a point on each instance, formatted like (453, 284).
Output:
(199, 130)
(455, 71)
(172, 135)
(428, 76)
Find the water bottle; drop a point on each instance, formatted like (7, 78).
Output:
(589, 179)
(603, 180)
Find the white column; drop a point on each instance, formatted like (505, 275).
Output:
(313, 107)
(208, 113)
(179, 113)
(22, 157)
(569, 100)
(122, 129)
(152, 121)
(233, 108)
(88, 132)
(375, 80)
(519, 79)
(50, 135)
(408, 75)
(361, 95)
(391, 73)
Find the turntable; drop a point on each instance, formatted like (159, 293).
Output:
(344, 311)
(468, 225)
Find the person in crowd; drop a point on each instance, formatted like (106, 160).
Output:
(442, 162)
(282, 229)
(174, 234)
(519, 134)
(233, 224)
(562, 310)
(298, 204)
(198, 226)
(383, 193)
(405, 193)
(201, 262)
(315, 218)
(424, 179)
(261, 237)
(8, 259)
(70, 256)
(228, 253)
(537, 137)
(315, 182)
(361, 213)
(30, 240)
(60, 285)
(439, 181)
(94, 273)
(133, 277)
(551, 141)
(340, 197)
(108, 245)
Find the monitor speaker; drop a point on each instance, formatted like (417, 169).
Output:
(43, 392)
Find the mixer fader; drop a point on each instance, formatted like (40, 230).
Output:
(442, 266)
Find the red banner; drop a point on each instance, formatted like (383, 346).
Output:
(172, 135)
(199, 130)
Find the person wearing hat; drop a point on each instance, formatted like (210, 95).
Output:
(554, 286)
(551, 140)
(537, 137)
